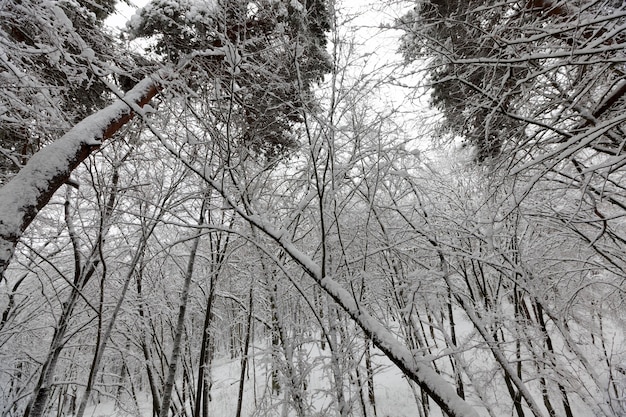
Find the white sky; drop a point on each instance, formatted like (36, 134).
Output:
(124, 13)
(367, 16)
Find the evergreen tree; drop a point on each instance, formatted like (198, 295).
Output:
(264, 56)
(520, 74)
(53, 56)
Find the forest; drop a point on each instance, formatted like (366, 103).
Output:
(274, 205)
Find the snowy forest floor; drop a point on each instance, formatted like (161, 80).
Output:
(393, 394)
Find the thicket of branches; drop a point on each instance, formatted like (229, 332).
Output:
(248, 188)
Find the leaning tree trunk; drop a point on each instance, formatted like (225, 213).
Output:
(31, 189)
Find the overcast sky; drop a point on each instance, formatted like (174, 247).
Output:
(124, 13)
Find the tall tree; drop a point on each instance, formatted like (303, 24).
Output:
(50, 72)
(245, 56)
(524, 76)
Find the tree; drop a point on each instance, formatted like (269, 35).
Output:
(51, 64)
(535, 88)
(523, 76)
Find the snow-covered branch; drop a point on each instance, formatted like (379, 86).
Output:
(31, 189)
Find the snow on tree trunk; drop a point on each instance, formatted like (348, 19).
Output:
(31, 189)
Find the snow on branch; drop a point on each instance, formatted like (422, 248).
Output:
(414, 366)
(31, 189)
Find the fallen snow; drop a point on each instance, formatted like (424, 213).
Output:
(393, 393)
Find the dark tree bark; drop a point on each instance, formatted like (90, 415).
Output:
(244, 355)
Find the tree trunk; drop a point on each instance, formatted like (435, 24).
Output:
(180, 323)
(244, 356)
(202, 387)
(37, 405)
(335, 352)
(370, 375)
(145, 350)
(218, 250)
(31, 189)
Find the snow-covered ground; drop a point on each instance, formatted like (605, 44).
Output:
(393, 394)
